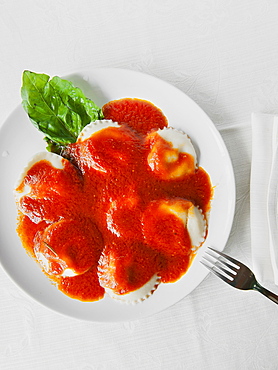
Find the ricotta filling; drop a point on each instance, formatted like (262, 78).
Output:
(193, 219)
(179, 141)
(173, 160)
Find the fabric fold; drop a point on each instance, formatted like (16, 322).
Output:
(263, 197)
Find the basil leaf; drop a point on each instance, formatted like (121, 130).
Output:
(57, 108)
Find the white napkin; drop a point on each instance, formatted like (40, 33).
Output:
(264, 196)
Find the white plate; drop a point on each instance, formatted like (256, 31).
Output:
(19, 140)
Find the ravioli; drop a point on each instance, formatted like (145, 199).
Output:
(124, 211)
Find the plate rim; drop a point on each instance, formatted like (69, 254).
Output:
(215, 131)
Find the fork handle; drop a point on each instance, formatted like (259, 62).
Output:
(273, 297)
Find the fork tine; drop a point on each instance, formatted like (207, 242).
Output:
(214, 271)
(220, 265)
(225, 264)
(235, 262)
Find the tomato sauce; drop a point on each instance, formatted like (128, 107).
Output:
(97, 221)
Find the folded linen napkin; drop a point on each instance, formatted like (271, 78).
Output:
(264, 197)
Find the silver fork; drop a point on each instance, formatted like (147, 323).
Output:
(234, 272)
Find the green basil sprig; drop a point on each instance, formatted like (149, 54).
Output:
(57, 108)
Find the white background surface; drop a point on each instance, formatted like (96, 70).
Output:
(224, 55)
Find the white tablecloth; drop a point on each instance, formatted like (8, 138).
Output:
(224, 55)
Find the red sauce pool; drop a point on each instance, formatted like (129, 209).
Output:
(103, 207)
